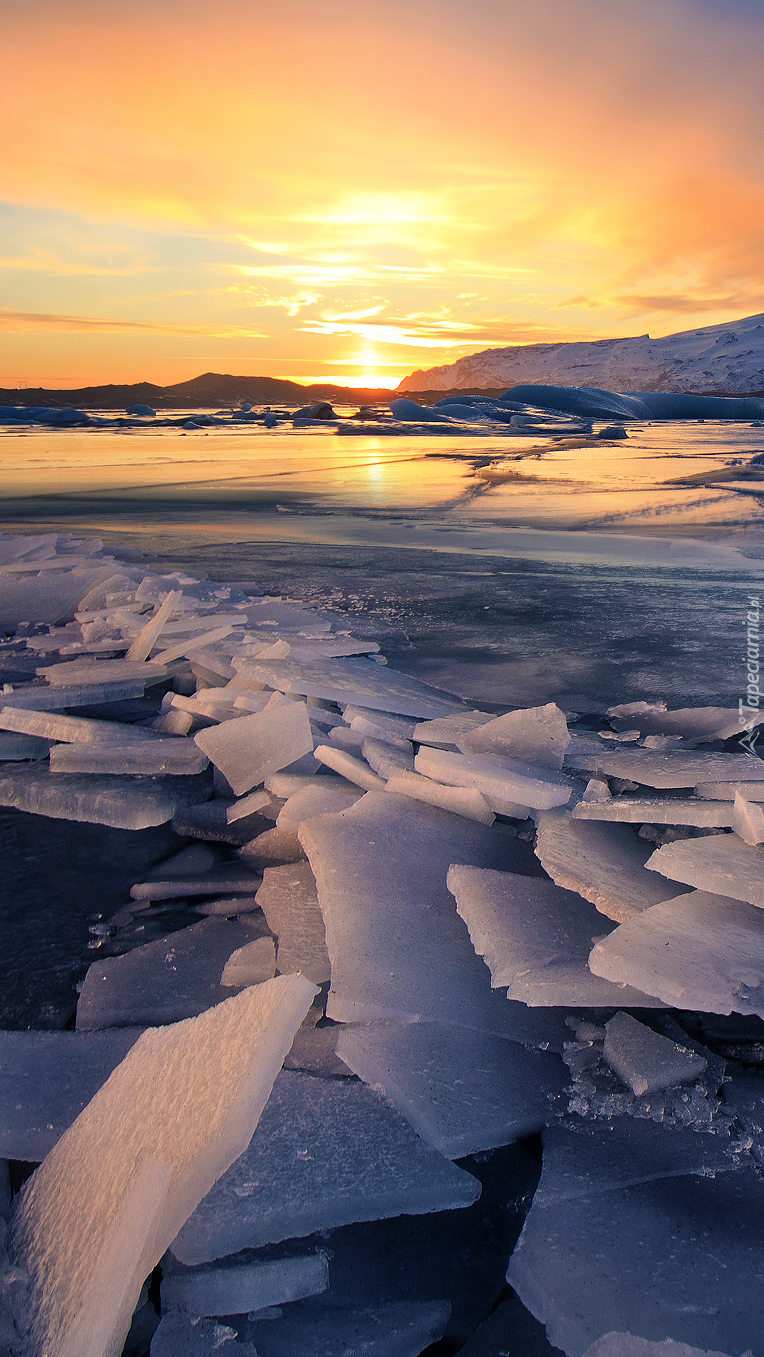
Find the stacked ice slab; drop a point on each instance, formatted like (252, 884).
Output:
(395, 932)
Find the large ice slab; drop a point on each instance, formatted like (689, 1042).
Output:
(163, 981)
(697, 951)
(626, 1345)
(41, 697)
(248, 749)
(72, 673)
(652, 769)
(535, 939)
(102, 1208)
(397, 946)
(46, 1079)
(240, 1287)
(289, 901)
(507, 784)
(462, 1091)
(696, 723)
(466, 801)
(443, 732)
(402, 1329)
(721, 863)
(173, 756)
(122, 802)
(230, 878)
(180, 1335)
(326, 1153)
(644, 1059)
(620, 1239)
(535, 735)
(323, 796)
(605, 863)
(641, 810)
(15, 748)
(53, 725)
(359, 682)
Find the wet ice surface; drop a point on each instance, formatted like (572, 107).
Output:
(476, 620)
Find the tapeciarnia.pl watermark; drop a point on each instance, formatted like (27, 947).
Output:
(749, 708)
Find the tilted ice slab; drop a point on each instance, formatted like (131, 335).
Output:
(180, 1335)
(101, 1209)
(535, 735)
(394, 730)
(626, 1345)
(466, 801)
(658, 770)
(624, 1235)
(46, 1079)
(229, 878)
(75, 672)
(248, 749)
(41, 697)
(698, 723)
(353, 769)
(403, 1329)
(387, 759)
(397, 946)
(174, 756)
(641, 810)
(271, 612)
(16, 748)
(360, 682)
(163, 981)
(508, 785)
(462, 1091)
(605, 863)
(52, 725)
(289, 901)
(535, 939)
(721, 863)
(444, 731)
(644, 1059)
(727, 791)
(697, 951)
(43, 598)
(241, 1287)
(326, 1153)
(122, 802)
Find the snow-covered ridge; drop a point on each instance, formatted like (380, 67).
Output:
(719, 358)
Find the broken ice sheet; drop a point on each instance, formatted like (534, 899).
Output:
(605, 863)
(227, 878)
(353, 769)
(122, 802)
(174, 756)
(397, 946)
(535, 735)
(644, 1059)
(462, 1091)
(652, 769)
(251, 964)
(697, 723)
(508, 785)
(359, 682)
(164, 981)
(122, 1180)
(237, 1288)
(327, 1153)
(466, 801)
(386, 759)
(721, 863)
(640, 810)
(697, 951)
(444, 731)
(289, 901)
(626, 1345)
(53, 725)
(14, 748)
(248, 749)
(178, 1335)
(676, 1229)
(322, 796)
(535, 938)
(309, 1327)
(46, 1079)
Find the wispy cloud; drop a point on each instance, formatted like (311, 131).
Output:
(21, 321)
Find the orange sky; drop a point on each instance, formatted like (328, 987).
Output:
(351, 190)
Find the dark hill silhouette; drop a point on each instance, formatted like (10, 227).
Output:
(210, 390)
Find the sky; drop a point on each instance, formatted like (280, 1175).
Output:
(351, 190)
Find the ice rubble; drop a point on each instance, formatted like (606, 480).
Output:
(358, 800)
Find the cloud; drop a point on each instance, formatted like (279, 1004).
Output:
(19, 322)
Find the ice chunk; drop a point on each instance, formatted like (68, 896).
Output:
(147, 637)
(535, 735)
(597, 791)
(250, 965)
(697, 951)
(727, 791)
(393, 730)
(120, 1183)
(676, 1253)
(466, 801)
(695, 723)
(46, 1079)
(444, 731)
(399, 1330)
(39, 697)
(42, 598)
(747, 820)
(645, 1060)
(668, 810)
(240, 1287)
(191, 643)
(355, 770)
(626, 1345)
(231, 878)
(163, 981)
(605, 863)
(355, 681)
(208, 821)
(386, 759)
(461, 1091)
(322, 796)
(272, 612)
(508, 785)
(247, 805)
(289, 901)
(180, 1336)
(14, 748)
(74, 673)
(652, 769)
(721, 863)
(397, 946)
(326, 1153)
(248, 749)
(71, 729)
(271, 848)
(174, 756)
(535, 938)
(122, 802)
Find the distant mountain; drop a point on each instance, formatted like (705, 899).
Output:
(210, 390)
(720, 359)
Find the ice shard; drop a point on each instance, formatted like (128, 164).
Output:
(122, 802)
(248, 749)
(508, 785)
(402, 1329)
(466, 801)
(605, 863)
(535, 735)
(721, 863)
(237, 1288)
(651, 769)
(359, 682)
(644, 1059)
(289, 901)
(322, 796)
